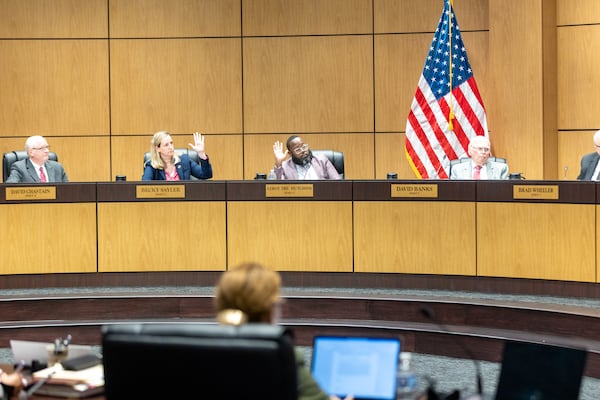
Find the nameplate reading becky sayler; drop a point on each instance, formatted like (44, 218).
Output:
(544, 192)
(31, 193)
(160, 191)
(406, 190)
(283, 190)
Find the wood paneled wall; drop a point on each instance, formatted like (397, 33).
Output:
(99, 77)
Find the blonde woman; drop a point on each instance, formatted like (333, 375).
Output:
(166, 165)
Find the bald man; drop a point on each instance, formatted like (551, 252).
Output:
(480, 166)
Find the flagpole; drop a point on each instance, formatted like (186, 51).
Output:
(451, 115)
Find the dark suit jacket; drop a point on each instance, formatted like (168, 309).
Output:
(24, 171)
(323, 168)
(186, 168)
(588, 166)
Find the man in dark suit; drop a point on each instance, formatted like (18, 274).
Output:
(37, 168)
(590, 168)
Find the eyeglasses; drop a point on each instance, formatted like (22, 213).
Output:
(299, 150)
(482, 149)
(43, 148)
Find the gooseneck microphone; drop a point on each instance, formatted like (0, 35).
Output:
(428, 313)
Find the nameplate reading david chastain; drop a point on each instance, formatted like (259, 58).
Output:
(31, 193)
(160, 191)
(287, 190)
(416, 191)
(544, 192)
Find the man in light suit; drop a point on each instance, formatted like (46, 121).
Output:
(480, 167)
(302, 165)
(37, 168)
(590, 168)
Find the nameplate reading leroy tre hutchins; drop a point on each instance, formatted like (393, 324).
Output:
(160, 191)
(31, 193)
(408, 190)
(285, 190)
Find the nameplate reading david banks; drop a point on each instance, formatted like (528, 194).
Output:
(283, 190)
(544, 192)
(31, 193)
(407, 190)
(160, 191)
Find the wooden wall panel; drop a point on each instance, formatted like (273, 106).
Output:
(515, 106)
(264, 231)
(578, 78)
(572, 146)
(224, 151)
(308, 84)
(390, 156)
(83, 157)
(306, 17)
(53, 19)
(397, 237)
(578, 12)
(423, 15)
(174, 18)
(151, 236)
(183, 84)
(73, 245)
(53, 87)
(358, 152)
(399, 61)
(537, 241)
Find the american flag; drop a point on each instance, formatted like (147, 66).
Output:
(433, 137)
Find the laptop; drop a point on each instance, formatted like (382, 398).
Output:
(361, 366)
(28, 351)
(540, 372)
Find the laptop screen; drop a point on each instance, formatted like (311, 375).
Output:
(540, 372)
(363, 367)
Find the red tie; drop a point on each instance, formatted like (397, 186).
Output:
(42, 175)
(477, 172)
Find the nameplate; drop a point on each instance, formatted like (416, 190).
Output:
(544, 192)
(416, 191)
(283, 190)
(31, 193)
(160, 191)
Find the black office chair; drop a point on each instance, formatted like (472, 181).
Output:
(192, 360)
(336, 158)
(467, 159)
(13, 156)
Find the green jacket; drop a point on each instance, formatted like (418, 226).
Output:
(308, 388)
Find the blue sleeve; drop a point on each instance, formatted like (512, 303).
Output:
(202, 170)
(148, 174)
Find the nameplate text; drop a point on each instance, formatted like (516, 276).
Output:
(284, 190)
(160, 191)
(543, 192)
(416, 191)
(31, 193)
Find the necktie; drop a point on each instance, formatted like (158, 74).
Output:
(477, 172)
(42, 175)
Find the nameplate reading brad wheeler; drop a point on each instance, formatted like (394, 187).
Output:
(408, 190)
(284, 190)
(160, 191)
(31, 193)
(544, 192)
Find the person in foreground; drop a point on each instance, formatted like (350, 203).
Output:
(11, 385)
(166, 165)
(480, 167)
(590, 167)
(37, 168)
(302, 165)
(250, 293)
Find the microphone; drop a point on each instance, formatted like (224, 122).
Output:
(437, 171)
(566, 168)
(428, 313)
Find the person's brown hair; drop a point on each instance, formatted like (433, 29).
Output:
(250, 288)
